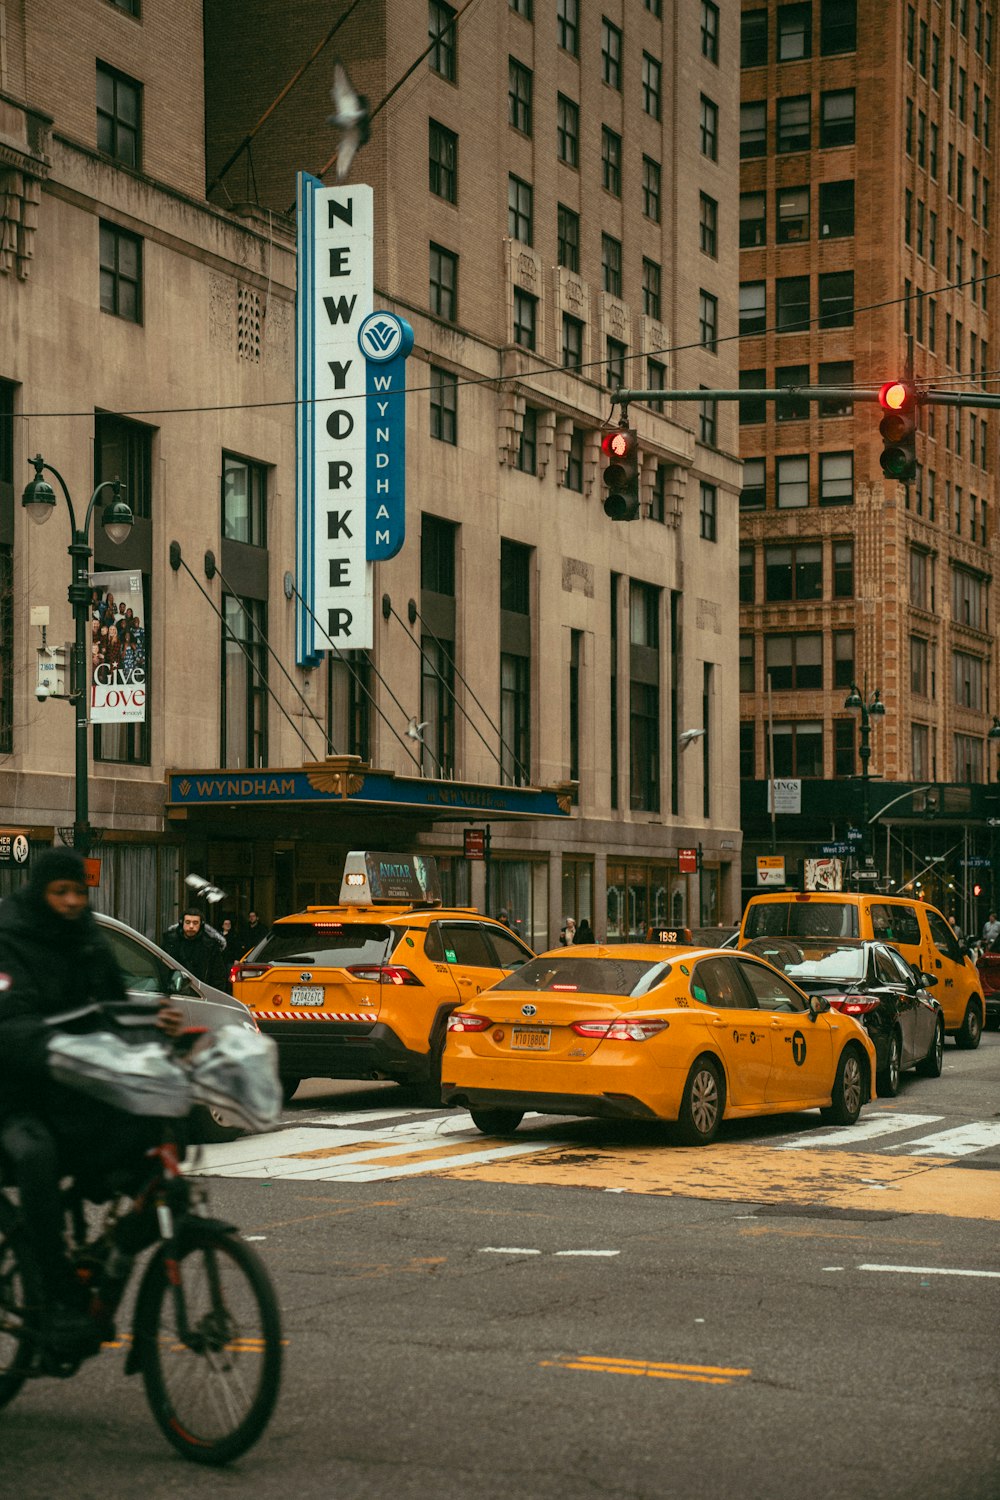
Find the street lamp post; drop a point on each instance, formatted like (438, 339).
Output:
(116, 519)
(871, 707)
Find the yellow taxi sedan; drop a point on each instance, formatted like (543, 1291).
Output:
(693, 1036)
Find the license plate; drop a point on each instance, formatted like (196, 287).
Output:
(306, 994)
(531, 1038)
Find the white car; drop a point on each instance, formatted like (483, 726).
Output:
(148, 970)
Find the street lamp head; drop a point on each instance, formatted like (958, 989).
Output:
(877, 707)
(853, 699)
(39, 497)
(116, 521)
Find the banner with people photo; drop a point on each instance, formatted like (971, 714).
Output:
(118, 665)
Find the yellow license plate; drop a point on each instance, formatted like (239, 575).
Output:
(531, 1038)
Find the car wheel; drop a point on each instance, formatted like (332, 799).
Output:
(969, 1033)
(288, 1087)
(887, 1081)
(702, 1105)
(849, 1089)
(497, 1121)
(932, 1064)
(207, 1126)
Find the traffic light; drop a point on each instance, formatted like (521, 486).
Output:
(621, 449)
(898, 399)
(977, 889)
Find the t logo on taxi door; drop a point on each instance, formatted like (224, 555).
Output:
(798, 1048)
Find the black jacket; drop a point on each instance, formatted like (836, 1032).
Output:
(48, 967)
(204, 956)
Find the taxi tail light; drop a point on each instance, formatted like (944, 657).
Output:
(627, 1029)
(465, 1021)
(854, 1005)
(384, 974)
(247, 971)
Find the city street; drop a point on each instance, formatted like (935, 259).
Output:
(798, 1317)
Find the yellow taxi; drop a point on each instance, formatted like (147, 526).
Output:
(364, 989)
(636, 1031)
(915, 929)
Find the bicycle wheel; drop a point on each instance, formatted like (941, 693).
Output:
(19, 1291)
(211, 1387)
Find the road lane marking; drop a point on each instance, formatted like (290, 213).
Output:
(930, 1271)
(508, 1250)
(653, 1369)
(588, 1252)
(962, 1140)
(868, 1129)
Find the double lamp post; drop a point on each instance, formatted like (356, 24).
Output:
(871, 707)
(116, 519)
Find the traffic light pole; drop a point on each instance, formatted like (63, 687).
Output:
(808, 393)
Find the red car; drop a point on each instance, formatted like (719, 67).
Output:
(989, 977)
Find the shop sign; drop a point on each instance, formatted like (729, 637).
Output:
(14, 846)
(475, 843)
(787, 795)
(687, 861)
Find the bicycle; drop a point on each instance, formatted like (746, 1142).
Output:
(206, 1326)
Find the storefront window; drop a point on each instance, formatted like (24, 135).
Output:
(640, 897)
(577, 890)
(519, 888)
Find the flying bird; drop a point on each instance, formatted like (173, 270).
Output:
(204, 888)
(415, 730)
(350, 116)
(688, 735)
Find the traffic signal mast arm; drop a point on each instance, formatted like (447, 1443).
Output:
(810, 393)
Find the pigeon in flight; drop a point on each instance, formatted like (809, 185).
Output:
(689, 735)
(350, 117)
(415, 730)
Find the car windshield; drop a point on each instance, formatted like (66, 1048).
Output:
(330, 945)
(801, 919)
(832, 962)
(587, 976)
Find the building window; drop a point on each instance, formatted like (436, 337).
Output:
(793, 572)
(527, 448)
(836, 299)
(651, 72)
(437, 555)
(707, 514)
(794, 662)
(437, 705)
(836, 479)
(572, 342)
(709, 31)
(656, 380)
(753, 39)
(708, 422)
(843, 658)
(709, 226)
(798, 749)
(243, 686)
(443, 283)
(838, 26)
(792, 476)
(708, 321)
(614, 373)
(836, 118)
(573, 476)
(444, 405)
(792, 304)
(568, 25)
(568, 131)
(651, 189)
(523, 8)
(568, 238)
(121, 273)
(119, 116)
(124, 450)
(748, 580)
(920, 741)
(709, 128)
(968, 593)
(644, 696)
(650, 288)
(525, 317)
(611, 264)
(519, 210)
(443, 162)
(794, 32)
(792, 215)
(919, 659)
(843, 747)
(519, 96)
(843, 570)
(836, 209)
(244, 501)
(443, 36)
(658, 502)
(748, 750)
(753, 495)
(747, 677)
(6, 641)
(793, 124)
(515, 662)
(920, 589)
(753, 129)
(837, 372)
(611, 161)
(611, 54)
(967, 679)
(753, 220)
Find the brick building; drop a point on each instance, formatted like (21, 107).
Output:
(866, 235)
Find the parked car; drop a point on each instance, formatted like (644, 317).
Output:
(637, 1031)
(989, 977)
(875, 984)
(149, 970)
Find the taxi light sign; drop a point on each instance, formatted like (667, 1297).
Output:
(370, 878)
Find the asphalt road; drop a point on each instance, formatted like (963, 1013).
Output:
(463, 1338)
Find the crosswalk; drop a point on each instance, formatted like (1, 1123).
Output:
(382, 1145)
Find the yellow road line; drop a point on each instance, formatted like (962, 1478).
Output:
(654, 1369)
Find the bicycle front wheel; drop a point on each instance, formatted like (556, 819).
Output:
(19, 1293)
(211, 1383)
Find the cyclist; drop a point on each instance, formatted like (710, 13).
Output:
(54, 962)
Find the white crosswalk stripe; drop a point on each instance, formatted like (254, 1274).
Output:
(962, 1140)
(868, 1128)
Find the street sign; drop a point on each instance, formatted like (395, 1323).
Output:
(475, 843)
(866, 874)
(977, 862)
(770, 869)
(834, 848)
(993, 822)
(855, 835)
(687, 861)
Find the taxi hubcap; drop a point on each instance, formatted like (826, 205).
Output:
(852, 1083)
(705, 1100)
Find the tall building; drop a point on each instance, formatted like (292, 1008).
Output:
(554, 197)
(866, 254)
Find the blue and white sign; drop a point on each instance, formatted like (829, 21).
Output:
(385, 341)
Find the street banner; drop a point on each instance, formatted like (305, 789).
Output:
(118, 646)
(824, 874)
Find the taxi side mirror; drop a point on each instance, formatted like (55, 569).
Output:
(817, 1006)
(930, 980)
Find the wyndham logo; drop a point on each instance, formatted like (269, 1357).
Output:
(380, 337)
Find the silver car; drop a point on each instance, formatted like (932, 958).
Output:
(148, 970)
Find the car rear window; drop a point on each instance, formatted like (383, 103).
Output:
(336, 945)
(895, 924)
(590, 976)
(801, 919)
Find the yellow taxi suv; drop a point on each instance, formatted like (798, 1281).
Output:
(364, 989)
(687, 1035)
(914, 928)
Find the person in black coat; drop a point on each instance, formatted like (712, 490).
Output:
(55, 966)
(202, 955)
(584, 933)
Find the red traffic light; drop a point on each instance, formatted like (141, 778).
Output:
(615, 444)
(621, 448)
(977, 889)
(897, 395)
